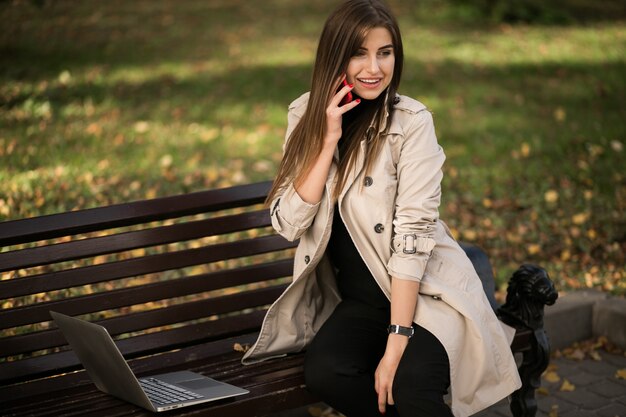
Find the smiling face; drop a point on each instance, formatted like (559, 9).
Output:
(371, 68)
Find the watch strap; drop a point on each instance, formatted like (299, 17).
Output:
(401, 330)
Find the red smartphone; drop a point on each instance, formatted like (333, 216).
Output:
(348, 97)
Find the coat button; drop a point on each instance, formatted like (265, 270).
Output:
(307, 259)
(368, 181)
(379, 228)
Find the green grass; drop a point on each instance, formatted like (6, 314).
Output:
(111, 101)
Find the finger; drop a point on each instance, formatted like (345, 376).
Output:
(390, 397)
(349, 106)
(339, 81)
(337, 85)
(382, 400)
(336, 100)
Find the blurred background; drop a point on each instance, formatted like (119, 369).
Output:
(112, 101)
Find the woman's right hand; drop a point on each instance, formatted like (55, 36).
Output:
(334, 113)
(311, 187)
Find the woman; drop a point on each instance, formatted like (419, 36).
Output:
(387, 305)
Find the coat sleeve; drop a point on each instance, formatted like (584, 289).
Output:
(419, 178)
(291, 216)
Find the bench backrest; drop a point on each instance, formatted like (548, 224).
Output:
(158, 274)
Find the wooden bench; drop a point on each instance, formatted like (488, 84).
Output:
(181, 282)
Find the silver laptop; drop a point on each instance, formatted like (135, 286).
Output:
(108, 369)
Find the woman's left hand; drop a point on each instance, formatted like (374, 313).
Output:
(386, 370)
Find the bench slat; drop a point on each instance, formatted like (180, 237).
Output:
(521, 342)
(74, 404)
(69, 251)
(120, 215)
(139, 266)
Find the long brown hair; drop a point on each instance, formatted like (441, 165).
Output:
(343, 34)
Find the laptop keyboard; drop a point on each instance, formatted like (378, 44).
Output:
(162, 393)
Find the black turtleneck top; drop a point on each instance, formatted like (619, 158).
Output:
(354, 279)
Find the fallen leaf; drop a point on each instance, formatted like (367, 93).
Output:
(575, 354)
(470, 234)
(617, 146)
(580, 218)
(542, 391)
(554, 411)
(595, 355)
(94, 129)
(151, 193)
(141, 126)
(560, 114)
(533, 249)
(567, 386)
(602, 341)
(551, 196)
(65, 77)
(621, 373)
(238, 347)
(315, 411)
(166, 161)
(551, 376)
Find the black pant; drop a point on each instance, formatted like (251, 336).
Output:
(342, 358)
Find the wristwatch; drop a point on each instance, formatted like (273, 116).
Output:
(404, 331)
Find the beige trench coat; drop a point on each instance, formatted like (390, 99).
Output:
(392, 216)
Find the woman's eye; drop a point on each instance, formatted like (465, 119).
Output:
(386, 52)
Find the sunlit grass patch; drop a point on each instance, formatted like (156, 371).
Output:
(116, 101)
